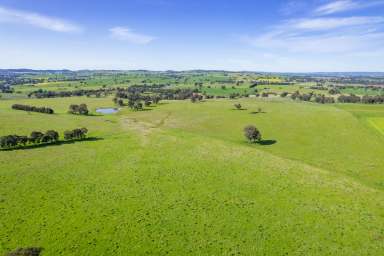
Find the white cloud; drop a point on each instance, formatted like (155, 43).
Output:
(37, 20)
(128, 35)
(345, 5)
(333, 23)
(322, 35)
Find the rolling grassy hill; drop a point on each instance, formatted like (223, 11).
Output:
(179, 179)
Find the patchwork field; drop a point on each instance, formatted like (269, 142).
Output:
(179, 179)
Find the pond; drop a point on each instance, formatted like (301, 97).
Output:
(107, 110)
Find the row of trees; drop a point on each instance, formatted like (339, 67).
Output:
(45, 110)
(81, 109)
(83, 92)
(37, 137)
(378, 99)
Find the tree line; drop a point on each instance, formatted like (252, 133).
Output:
(61, 94)
(38, 138)
(45, 110)
(318, 98)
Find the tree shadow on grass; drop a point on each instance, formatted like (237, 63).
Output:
(30, 251)
(257, 112)
(59, 143)
(267, 142)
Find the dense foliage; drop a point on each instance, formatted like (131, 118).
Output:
(81, 109)
(252, 134)
(37, 137)
(45, 110)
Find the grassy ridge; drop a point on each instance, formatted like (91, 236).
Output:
(180, 180)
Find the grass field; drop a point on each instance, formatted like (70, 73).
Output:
(179, 179)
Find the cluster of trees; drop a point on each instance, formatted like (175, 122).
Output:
(76, 134)
(320, 98)
(135, 101)
(81, 109)
(45, 110)
(378, 99)
(303, 97)
(196, 97)
(158, 91)
(36, 138)
(349, 98)
(334, 91)
(6, 88)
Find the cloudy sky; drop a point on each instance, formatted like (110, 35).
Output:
(283, 36)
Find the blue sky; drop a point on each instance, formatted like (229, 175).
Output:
(273, 36)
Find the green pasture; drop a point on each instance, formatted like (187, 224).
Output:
(179, 179)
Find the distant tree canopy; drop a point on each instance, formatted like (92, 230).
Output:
(83, 92)
(81, 109)
(378, 99)
(196, 97)
(252, 134)
(33, 108)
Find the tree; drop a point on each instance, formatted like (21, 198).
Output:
(83, 109)
(147, 103)
(73, 109)
(36, 137)
(68, 135)
(53, 136)
(120, 102)
(138, 106)
(252, 134)
(237, 106)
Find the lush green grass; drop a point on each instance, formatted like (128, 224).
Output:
(180, 180)
(378, 123)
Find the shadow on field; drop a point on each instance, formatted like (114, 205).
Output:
(30, 251)
(267, 142)
(59, 143)
(257, 112)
